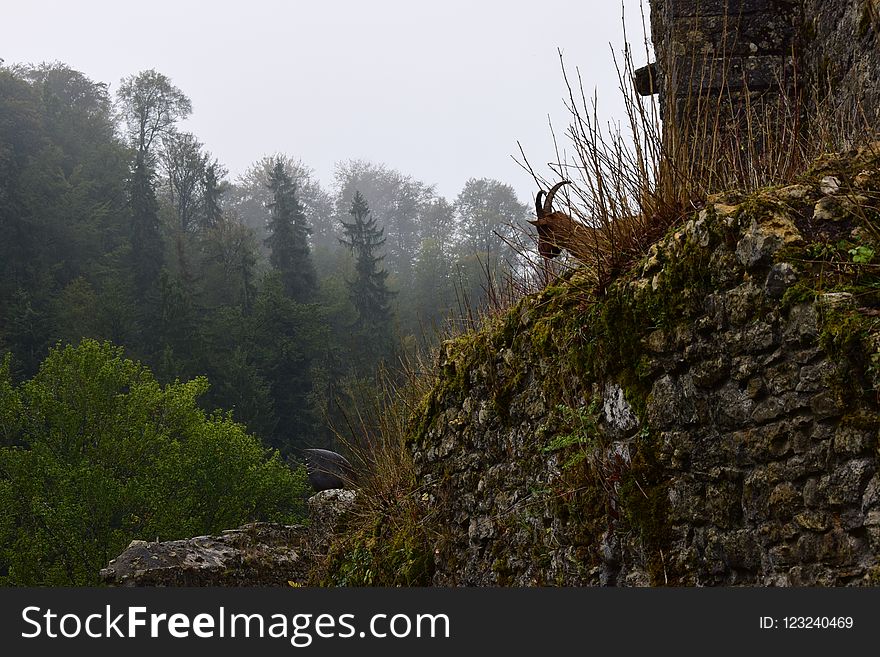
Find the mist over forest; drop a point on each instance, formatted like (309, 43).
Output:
(285, 293)
(140, 283)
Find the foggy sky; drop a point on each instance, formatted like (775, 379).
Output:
(439, 90)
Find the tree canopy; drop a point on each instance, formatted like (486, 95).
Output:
(134, 270)
(96, 452)
(288, 239)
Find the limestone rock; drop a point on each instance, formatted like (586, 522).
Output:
(258, 554)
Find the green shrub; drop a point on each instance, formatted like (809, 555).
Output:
(95, 452)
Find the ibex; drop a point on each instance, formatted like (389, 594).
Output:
(557, 231)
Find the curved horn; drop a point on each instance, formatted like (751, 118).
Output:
(548, 203)
(539, 208)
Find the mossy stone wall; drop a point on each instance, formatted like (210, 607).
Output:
(712, 420)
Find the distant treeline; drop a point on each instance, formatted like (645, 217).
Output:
(118, 226)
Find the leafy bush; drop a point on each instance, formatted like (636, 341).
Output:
(94, 452)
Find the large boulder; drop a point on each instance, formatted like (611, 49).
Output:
(256, 554)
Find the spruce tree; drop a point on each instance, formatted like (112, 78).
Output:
(150, 106)
(289, 238)
(368, 291)
(287, 336)
(213, 189)
(146, 242)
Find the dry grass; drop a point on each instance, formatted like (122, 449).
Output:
(385, 542)
(634, 180)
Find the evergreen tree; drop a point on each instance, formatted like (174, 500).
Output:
(146, 242)
(286, 336)
(150, 106)
(368, 291)
(62, 213)
(212, 192)
(396, 200)
(176, 330)
(248, 197)
(289, 238)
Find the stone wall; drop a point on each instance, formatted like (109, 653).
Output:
(724, 44)
(756, 70)
(725, 65)
(712, 420)
(841, 58)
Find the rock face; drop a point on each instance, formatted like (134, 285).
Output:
(257, 554)
(327, 511)
(712, 420)
(841, 55)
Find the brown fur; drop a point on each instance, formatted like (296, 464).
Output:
(557, 231)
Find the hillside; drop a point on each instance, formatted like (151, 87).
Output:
(712, 420)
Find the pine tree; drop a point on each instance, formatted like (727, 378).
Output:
(150, 106)
(286, 337)
(213, 188)
(368, 291)
(289, 238)
(146, 242)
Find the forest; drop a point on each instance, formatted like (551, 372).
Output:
(171, 337)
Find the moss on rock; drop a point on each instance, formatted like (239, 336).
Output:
(726, 350)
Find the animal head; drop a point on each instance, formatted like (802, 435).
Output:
(551, 224)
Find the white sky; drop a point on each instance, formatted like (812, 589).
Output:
(441, 91)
